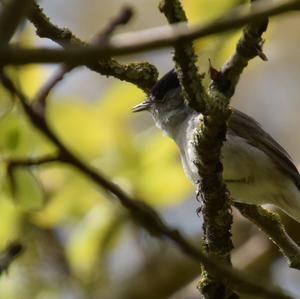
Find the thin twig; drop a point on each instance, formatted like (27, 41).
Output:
(248, 47)
(122, 18)
(143, 75)
(24, 162)
(42, 95)
(145, 215)
(11, 14)
(142, 41)
(12, 251)
(11, 164)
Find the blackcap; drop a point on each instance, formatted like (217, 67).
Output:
(257, 170)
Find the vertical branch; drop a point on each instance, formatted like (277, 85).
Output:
(216, 210)
(185, 58)
(209, 145)
(208, 141)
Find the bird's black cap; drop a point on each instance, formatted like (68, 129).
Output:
(166, 83)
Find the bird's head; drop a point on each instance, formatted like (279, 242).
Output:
(165, 103)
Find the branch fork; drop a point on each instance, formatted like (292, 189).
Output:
(214, 104)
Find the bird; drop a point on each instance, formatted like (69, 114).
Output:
(257, 170)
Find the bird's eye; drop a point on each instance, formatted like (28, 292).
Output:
(160, 99)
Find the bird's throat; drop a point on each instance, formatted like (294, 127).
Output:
(172, 121)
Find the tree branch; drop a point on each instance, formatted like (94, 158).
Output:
(267, 221)
(217, 217)
(145, 40)
(270, 224)
(248, 47)
(122, 18)
(17, 162)
(185, 57)
(12, 251)
(166, 272)
(12, 12)
(144, 214)
(44, 91)
(142, 74)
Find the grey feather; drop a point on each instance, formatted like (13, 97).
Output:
(246, 127)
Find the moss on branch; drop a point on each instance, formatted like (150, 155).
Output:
(217, 218)
(143, 75)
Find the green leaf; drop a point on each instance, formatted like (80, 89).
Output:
(27, 190)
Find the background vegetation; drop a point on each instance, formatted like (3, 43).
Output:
(78, 243)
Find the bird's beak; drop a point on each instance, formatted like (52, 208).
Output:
(142, 106)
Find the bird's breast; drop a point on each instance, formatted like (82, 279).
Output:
(250, 175)
(241, 161)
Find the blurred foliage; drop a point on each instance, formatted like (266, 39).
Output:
(215, 47)
(104, 133)
(61, 217)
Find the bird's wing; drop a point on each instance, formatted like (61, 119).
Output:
(246, 127)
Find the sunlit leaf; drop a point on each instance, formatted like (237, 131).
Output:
(160, 178)
(10, 219)
(28, 192)
(71, 196)
(7, 102)
(19, 138)
(29, 78)
(211, 47)
(204, 10)
(83, 247)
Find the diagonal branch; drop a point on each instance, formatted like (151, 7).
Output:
(248, 47)
(267, 221)
(42, 95)
(122, 18)
(270, 224)
(143, 74)
(144, 214)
